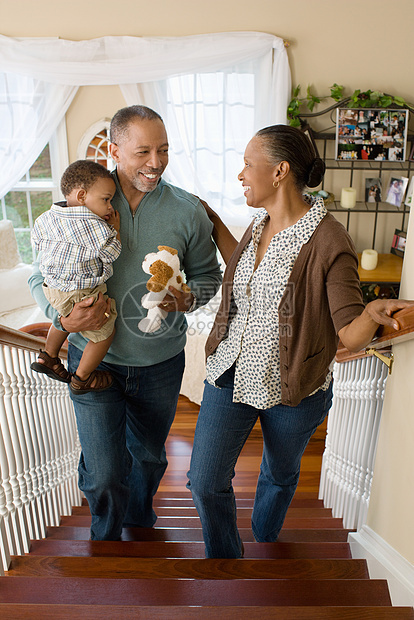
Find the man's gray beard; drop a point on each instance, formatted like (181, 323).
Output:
(140, 185)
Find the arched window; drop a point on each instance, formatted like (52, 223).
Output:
(94, 144)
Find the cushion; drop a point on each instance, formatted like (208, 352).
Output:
(14, 289)
(9, 254)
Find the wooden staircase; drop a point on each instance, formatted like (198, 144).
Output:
(162, 573)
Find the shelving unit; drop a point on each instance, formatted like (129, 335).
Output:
(378, 169)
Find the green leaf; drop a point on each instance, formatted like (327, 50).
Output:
(336, 92)
(293, 107)
(399, 101)
(385, 101)
(295, 122)
(296, 91)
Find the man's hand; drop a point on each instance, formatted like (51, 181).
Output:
(176, 301)
(87, 315)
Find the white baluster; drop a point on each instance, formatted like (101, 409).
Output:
(33, 448)
(48, 464)
(352, 433)
(13, 470)
(4, 545)
(7, 542)
(20, 443)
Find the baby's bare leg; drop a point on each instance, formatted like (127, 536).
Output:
(92, 356)
(55, 339)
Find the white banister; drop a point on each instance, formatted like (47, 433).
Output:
(351, 440)
(39, 448)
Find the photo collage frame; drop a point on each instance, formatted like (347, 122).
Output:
(371, 134)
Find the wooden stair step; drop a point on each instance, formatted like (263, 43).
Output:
(242, 512)
(161, 568)
(196, 534)
(185, 494)
(199, 592)
(22, 611)
(297, 502)
(161, 549)
(190, 522)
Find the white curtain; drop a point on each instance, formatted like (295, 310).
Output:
(30, 111)
(40, 77)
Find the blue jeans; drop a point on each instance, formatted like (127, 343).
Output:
(122, 432)
(221, 432)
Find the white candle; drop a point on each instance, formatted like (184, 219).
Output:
(369, 259)
(348, 197)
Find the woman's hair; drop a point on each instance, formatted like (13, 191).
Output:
(122, 119)
(285, 143)
(82, 174)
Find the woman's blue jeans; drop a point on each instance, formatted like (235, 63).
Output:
(222, 429)
(122, 432)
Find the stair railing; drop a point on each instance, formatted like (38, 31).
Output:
(39, 447)
(353, 423)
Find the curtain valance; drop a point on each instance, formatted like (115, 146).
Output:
(128, 60)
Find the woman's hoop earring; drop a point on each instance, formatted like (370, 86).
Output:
(277, 184)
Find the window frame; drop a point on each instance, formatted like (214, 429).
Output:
(58, 149)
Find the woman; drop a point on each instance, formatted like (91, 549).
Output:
(290, 289)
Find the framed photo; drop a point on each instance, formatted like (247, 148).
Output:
(371, 134)
(396, 190)
(411, 157)
(410, 193)
(398, 243)
(373, 190)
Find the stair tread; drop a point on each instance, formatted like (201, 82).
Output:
(185, 494)
(170, 500)
(81, 548)
(243, 512)
(200, 592)
(196, 534)
(22, 611)
(188, 522)
(186, 568)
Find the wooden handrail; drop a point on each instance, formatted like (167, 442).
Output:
(25, 340)
(384, 338)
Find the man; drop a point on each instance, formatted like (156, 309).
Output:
(123, 429)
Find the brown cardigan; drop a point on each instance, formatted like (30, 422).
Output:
(322, 296)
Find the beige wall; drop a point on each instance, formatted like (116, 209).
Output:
(392, 500)
(360, 44)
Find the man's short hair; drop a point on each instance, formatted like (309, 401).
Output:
(82, 174)
(125, 116)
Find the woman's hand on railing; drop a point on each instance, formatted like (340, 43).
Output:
(382, 310)
(87, 315)
(360, 332)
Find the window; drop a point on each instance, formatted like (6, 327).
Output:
(210, 118)
(33, 195)
(214, 117)
(94, 144)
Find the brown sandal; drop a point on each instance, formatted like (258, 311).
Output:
(103, 380)
(51, 366)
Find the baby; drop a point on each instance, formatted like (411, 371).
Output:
(78, 240)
